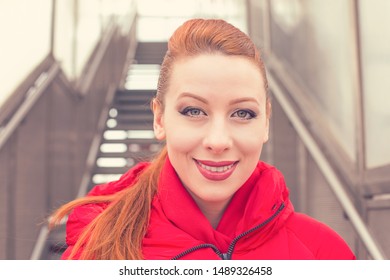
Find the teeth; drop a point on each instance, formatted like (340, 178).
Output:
(215, 168)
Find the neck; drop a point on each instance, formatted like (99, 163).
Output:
(213, 211)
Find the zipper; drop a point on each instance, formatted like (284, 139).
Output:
(201, 246)
(229, 253)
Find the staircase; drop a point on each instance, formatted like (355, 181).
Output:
(128, 137)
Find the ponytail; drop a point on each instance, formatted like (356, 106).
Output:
(117, 233)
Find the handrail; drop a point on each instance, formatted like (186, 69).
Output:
(100, 52)
(83, 88)
(94, 148)
(32, 95)
(40, 243)
(95, 145)
(327, 171)
(91, 158)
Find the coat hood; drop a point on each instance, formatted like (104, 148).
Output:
(178, 224)
(259, 223)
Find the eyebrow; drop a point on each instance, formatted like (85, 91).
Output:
(203, 100)
(244, 99)
(191, 95)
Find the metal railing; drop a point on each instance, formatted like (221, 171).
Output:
(85, 180)
(102, 54)
(336, 185)
(33, 94)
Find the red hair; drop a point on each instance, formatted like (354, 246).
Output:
(118, 231)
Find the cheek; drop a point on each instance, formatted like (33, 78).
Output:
(251, 149)
(181, 139)
(249, 140)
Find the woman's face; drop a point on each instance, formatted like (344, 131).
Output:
(214, 122)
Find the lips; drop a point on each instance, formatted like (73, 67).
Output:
(216, 171)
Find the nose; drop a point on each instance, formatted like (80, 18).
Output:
(218, 137)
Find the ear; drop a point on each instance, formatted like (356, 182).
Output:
(266, 133)
(158, 120)
(268, 116)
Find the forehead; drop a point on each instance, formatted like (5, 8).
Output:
(229, 64)
(216, 72)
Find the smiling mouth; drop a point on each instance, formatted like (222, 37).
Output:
(216, 171)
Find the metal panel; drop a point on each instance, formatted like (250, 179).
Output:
(7, 163)
(284, 151)
(324, 206)
(62, 184)
(30, 205)
(309, 190)
(378, 220)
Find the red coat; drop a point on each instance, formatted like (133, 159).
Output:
(259, 222)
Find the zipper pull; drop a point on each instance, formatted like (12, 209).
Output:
(225, 256)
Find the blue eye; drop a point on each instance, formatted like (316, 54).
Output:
(244, 114)
(192, 112)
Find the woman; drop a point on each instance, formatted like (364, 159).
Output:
(207, 195)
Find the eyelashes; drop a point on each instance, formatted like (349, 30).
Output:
(245, 114)
(194, 112)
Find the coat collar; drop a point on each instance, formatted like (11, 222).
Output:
(176, 216)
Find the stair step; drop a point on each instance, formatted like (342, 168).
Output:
(150, 48)
(132, 99)
(147, 92)
(145, 125)
(137, 114)
(141, 155)
(150, 52)
(122, 147)
(148, 59)
(154, 46)
(112, 170)
(129, 118)
(126, 108)
(128, 134)
(144, 68)
(134, 95)
(129, 141)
